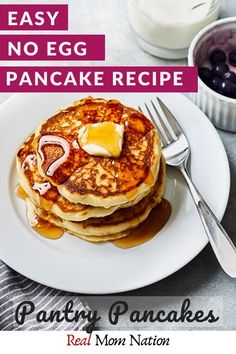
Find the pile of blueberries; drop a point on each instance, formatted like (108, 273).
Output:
(219, 78)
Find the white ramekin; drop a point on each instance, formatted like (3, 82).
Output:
(220, 110)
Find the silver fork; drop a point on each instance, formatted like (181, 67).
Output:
(176, 151)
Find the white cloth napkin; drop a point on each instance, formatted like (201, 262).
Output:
(15, 289)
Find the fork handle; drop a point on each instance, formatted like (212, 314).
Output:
(222, 245)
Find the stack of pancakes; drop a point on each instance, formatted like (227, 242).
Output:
(94, 197)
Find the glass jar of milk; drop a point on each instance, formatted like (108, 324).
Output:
(165, 28)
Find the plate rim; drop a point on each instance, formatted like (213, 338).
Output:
(142, 283)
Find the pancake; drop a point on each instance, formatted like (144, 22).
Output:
(45, 195)
(116, 225)
(93, 180)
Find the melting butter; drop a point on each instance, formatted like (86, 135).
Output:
(102, 139)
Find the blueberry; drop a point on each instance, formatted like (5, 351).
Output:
(232, 57)
(217, 56)
(230, 76)
(214, 83)
(228, 89)
(205, 74)
(220, 69)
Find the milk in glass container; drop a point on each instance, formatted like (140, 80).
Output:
(165, 28)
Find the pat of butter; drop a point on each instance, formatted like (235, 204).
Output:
(102, 139)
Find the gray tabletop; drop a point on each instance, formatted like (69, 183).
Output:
(203, 276)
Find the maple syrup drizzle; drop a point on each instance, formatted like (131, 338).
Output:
(46, 204)
(20, 192)
(47, 229)
(42, 227)
(143, 233)
(147, 229)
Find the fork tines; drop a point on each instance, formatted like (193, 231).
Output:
(160, 116)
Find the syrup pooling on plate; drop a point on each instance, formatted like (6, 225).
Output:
(42, 227)
(147, 229)
(47, 229)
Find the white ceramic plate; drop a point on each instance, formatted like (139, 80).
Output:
(72, 264)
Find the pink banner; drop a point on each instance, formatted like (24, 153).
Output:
(52, 47)
(33, 17)
(99, 79)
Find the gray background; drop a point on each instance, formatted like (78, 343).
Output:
(202, 276)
